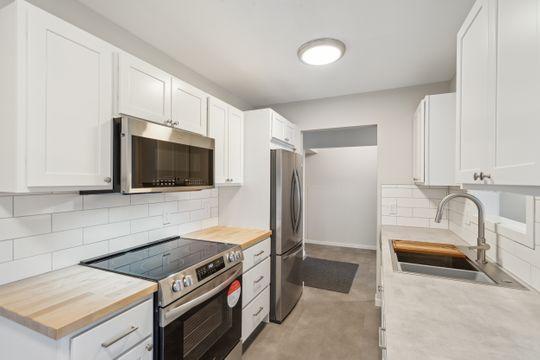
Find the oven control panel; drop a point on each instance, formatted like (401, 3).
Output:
(210, 268)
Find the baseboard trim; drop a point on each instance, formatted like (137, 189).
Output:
(354, 246)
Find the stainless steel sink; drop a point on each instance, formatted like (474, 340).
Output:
(463, 269)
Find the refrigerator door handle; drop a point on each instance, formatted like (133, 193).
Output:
(298, 189)
(293, 207)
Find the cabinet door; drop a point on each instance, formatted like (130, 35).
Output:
(144, 90)
(278, 127)
(217, 129)
(517, 154)
(236, 146)
(419, 142)
(475, 89)
(142, 351)
(189, 106)
(69, 105)
(289, 133)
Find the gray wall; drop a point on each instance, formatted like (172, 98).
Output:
(341, 137)
(87, 19)
(390, 110)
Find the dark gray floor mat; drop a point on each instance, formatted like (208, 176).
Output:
(328, 275)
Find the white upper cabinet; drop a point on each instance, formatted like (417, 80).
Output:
(226, 126)
(144, 91)
(498, 84)
(56, 105)
(517, 120)
(434, 126)
(419, 142)
(69, 104)
(283, 130)
(236, 146)
(189, 107)
(475, 60)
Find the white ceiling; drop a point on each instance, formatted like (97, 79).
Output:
(249, 46)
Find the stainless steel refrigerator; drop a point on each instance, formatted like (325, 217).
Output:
(287, 234)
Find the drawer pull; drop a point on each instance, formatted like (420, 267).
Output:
(258, 280)
(119, 337)
(382, 338)
(258, 311)
(259, 253)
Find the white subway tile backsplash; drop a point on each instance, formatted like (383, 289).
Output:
(429, 193)
(76, 219)
(388, 220)
(68, 257)
(104, 232)
(12, 228)
(209, 222)
(411, 221)
(146, 224)
(22, 268)
(424, 213)
(388, 201)
(147, 198)
(128, 212)
(128, 241)
(404, 212)
(59, 230)
(6, 250)
(41, 244)
(189, 205)
(6, 206)
(100, 201)
(412, 202)
(45, 204)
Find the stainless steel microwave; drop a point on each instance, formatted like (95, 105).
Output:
(151, 157)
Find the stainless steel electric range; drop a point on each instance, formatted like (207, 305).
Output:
(198, 307)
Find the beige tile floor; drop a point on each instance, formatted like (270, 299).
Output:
(326, 324)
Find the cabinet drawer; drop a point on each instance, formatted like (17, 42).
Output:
(142, 351)
(255, 280)
(255, 313)
(113, 337)
(256, 254)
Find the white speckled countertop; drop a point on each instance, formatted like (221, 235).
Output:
(435, 318)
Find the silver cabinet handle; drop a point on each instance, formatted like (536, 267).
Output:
(258, 311)
(149, 347)
(258, 280)
(107, 179)
(476, 176)
(119, 337)
(259, 253)
(176, 123)
(382, 338)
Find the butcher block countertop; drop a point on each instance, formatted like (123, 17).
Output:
(63, 301)
(245, 237)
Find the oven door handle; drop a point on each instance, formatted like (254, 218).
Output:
(182, 309)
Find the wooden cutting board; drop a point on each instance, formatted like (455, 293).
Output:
(420, 247)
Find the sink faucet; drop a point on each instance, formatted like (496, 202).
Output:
(482, 246)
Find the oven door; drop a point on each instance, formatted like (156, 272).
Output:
(206, 323)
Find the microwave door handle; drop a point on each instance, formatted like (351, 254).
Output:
(182, 309)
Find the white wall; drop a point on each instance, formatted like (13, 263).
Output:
(390, 110)
(39, 233)
(87, 19)
(341, 197)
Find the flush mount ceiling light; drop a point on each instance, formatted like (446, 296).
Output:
(321, 51)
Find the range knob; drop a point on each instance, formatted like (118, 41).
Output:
(231, 257)
(176, 286)
(188, 281)
(238, 255)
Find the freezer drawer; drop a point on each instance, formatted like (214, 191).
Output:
(286, 283)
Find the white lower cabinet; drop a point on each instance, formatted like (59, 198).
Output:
(255, 313)
(114, 337)
(256, 287)
(143, 351)
(255, 280)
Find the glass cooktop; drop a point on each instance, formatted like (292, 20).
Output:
(159, 259)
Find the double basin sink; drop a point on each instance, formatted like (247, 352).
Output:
(452, 266)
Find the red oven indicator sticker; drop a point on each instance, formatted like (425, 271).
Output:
(233, 294)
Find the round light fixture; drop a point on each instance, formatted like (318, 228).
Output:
(321, 51)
